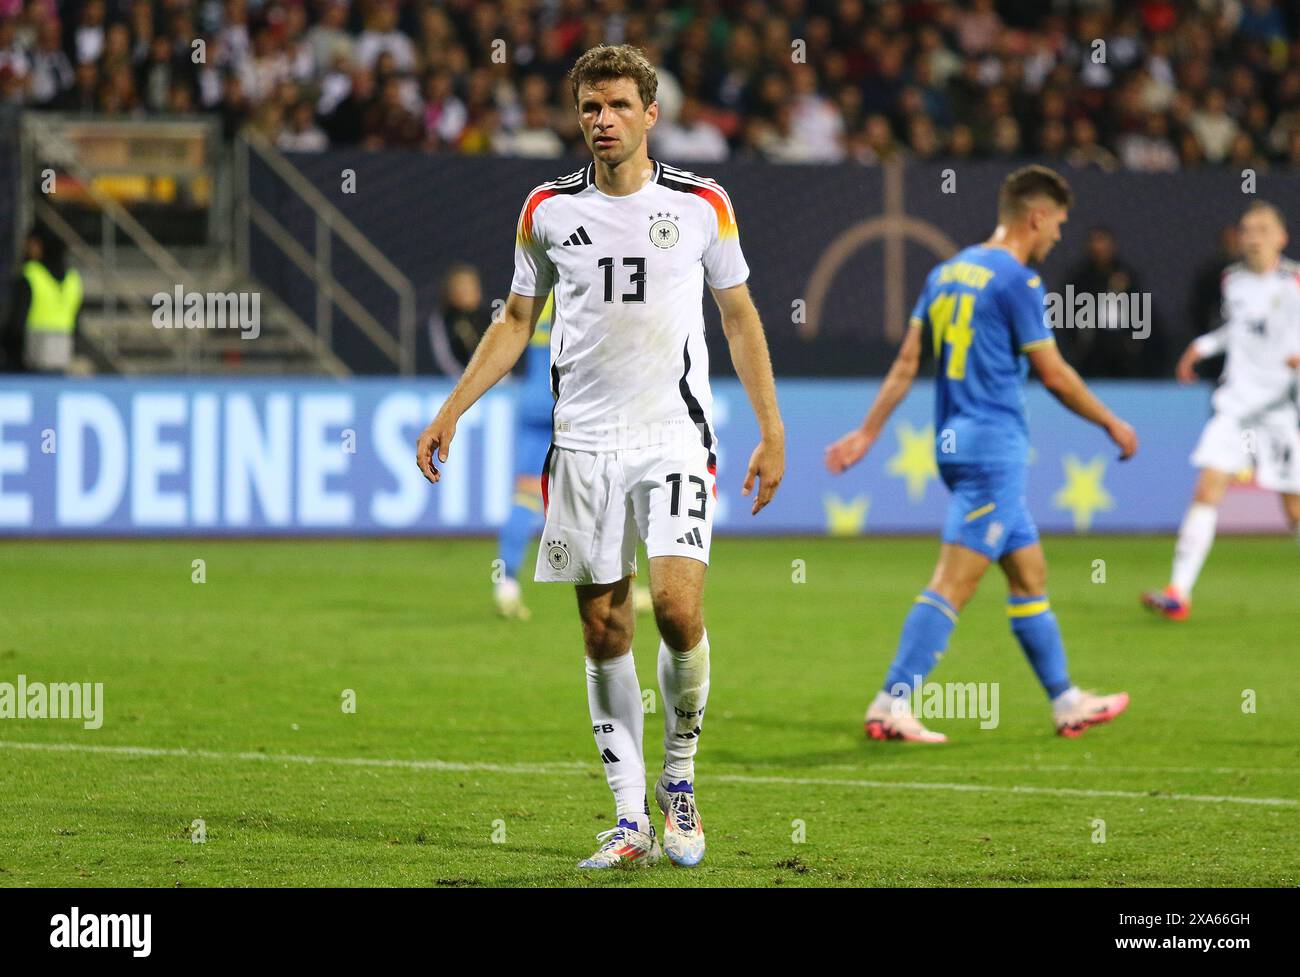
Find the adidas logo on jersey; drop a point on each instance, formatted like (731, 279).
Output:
(692, 539)
(578, 237)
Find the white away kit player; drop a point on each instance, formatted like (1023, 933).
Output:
(626, 245)
(1256, 420)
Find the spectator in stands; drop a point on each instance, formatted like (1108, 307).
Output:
(459, 321)
(381, 35)
(1150, 150)
(1263, 21)
(328, 37)
(83, 95)
(51, 70)
(1109, 348)
(535, 138)
(444, 113)
(1085, 151)
(13, 56)
(155, 75)
(387, 122)
(1207, 285)
(1214, 129)
(88, 38)
(1176, 84)
(234, 44)
(302, 134)
(345, 126)
(692, 138)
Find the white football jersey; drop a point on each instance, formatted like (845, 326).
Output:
(629, 367)
(1261, 329)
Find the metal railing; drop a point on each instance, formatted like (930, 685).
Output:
(318, 265)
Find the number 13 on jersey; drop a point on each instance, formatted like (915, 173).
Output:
(950, 315)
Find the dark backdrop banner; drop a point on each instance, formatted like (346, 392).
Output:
(837, 253)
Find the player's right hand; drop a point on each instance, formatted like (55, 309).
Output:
(848, 450)
(1122, 433)
(437, 436)
(1185, 371)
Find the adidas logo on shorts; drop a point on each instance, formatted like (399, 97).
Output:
(692, 539)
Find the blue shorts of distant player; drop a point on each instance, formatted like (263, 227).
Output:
(987, 512)
(532, 441)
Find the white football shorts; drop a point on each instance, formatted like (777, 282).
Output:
(599, 503)
(1270, 444)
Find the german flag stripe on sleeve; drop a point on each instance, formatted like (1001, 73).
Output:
(722, 207)
(575, 182)
(707, 190)
(535, 199)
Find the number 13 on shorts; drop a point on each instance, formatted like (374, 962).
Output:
(680, 511)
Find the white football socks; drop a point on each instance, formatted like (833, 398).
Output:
(614, 698)
(888, 703)
(1067, 700)
(684, 683)
(1195, 538)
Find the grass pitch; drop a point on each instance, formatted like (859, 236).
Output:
(224, 703)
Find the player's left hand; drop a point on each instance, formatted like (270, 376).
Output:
(1294, 361)
(767, 464)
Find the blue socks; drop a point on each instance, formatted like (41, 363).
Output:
(1035, 627)
(525, 522)
(925, 636)
(930, 623)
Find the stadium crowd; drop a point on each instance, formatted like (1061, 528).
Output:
(1152, 85)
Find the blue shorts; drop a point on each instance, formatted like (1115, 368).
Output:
(987, 512)
(532, 441)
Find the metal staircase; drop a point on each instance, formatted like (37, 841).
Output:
(126, 266)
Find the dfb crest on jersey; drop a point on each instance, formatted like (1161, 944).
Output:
(557, 554)
(664, 234)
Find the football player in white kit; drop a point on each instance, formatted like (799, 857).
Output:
(1256, 419)
(627, 244)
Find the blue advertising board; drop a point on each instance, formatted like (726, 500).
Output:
(128, 457)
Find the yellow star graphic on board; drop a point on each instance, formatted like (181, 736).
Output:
(1083, 493)
(845, 518)
(915, 459)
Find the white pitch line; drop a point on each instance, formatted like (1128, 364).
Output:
(1073, 768)
(986, 789)
(580, 767)
(181, 752)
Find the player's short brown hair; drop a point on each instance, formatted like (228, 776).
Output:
(1028, 183)
(605, 62)
(1263, 206)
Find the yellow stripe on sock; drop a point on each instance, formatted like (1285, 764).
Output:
(1029, 610)
(983, 510)
(934, 603)
(528, 501)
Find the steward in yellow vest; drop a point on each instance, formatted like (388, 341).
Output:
(47, 299)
